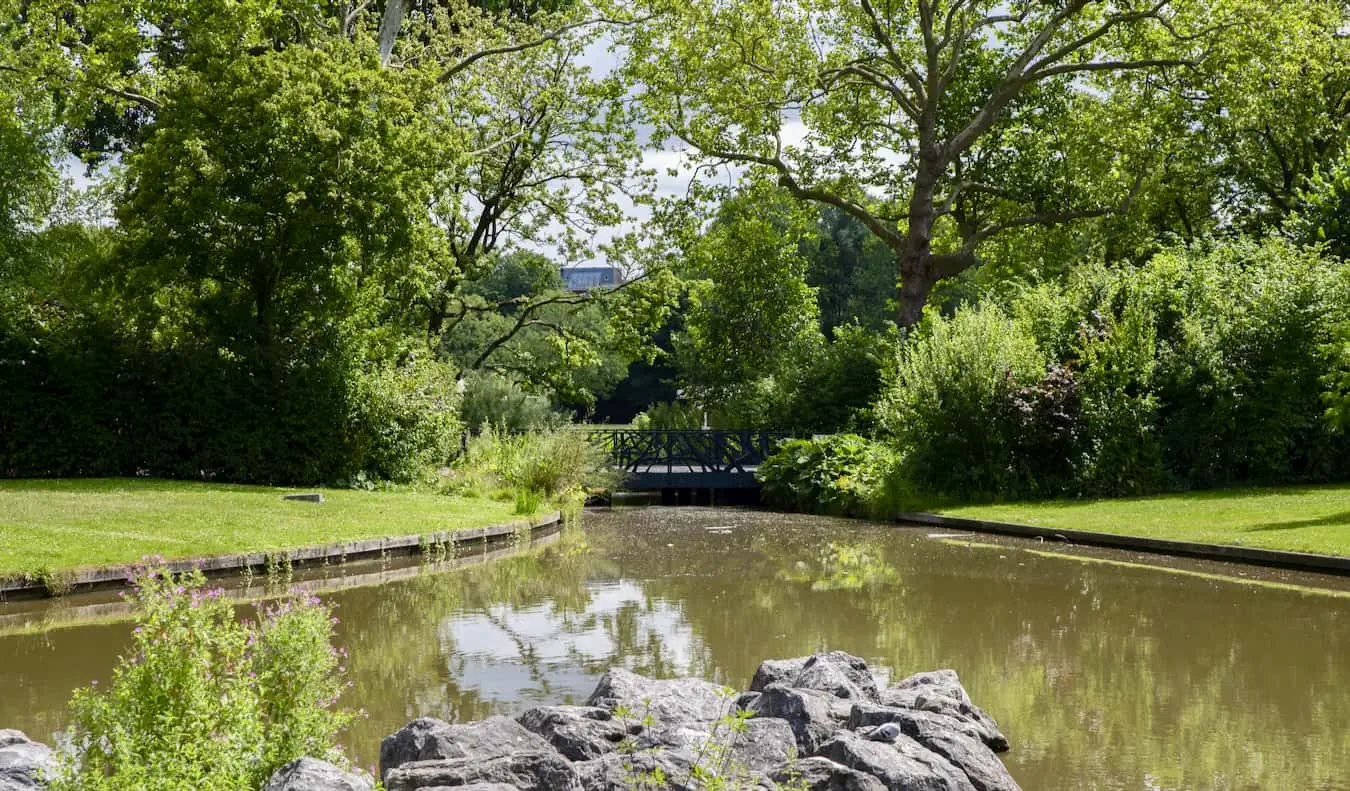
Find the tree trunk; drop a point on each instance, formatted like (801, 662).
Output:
(916, 270)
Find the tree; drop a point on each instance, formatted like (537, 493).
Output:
(751, 321)
(272, 192)
(939, 124)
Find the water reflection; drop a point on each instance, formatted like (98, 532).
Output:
(1103, 676)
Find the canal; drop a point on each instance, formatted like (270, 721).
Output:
(1106, 670)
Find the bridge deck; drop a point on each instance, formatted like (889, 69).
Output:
(687, 477)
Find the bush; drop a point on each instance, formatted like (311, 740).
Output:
(206, 701)
(949, 405)
(85, 400)
(842, 474)
(499, 403)
(556, 465)
(1202, 368)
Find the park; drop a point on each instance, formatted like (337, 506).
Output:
(924, 395)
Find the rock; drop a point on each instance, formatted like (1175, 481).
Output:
(940, 692)
(305, 497)
(840, 674)
(904, 765)
(776, 671)
(911, 721)
(23, 762)
(958, 740)
(426, 739)
(676, 701)
(616, 772)
(746, 700)
(765, 743)
(624, 772)
(580, 733)
(822, 774)
(807, 713)
(311, 774)
(524, 770)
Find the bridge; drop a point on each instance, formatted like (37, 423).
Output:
(688, 459)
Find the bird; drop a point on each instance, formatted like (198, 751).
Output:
(886, 732)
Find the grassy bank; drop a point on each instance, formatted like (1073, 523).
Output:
(50, 526)
(1300, 519)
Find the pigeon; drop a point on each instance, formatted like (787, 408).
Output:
(886, 732)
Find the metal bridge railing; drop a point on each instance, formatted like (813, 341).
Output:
(685, 450)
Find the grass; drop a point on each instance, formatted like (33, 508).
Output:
(1300, 519)
(55, 526)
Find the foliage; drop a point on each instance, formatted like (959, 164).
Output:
(558, 464)
(199, 413)
(944, 128)
(947, 405)
(1202, 368)
(840, 474)
(751, 320)
(206, 701)
(501, 403)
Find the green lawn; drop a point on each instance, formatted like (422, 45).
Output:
(67, 524)
(1302, 519)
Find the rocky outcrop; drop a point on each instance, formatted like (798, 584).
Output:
(817, 722)
(311, 774)
(23, 762)
(428, 739)
(580, 733)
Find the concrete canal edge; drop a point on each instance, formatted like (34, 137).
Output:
(1298, 561)
(18, 587)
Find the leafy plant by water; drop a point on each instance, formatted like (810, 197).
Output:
(207, 701)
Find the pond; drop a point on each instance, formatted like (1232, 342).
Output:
(1106, 670)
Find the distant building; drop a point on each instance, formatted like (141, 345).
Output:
(585, 278)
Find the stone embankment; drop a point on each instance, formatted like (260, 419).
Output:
(818, 723)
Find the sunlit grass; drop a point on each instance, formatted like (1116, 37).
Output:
(1301, 519)
(50, 526)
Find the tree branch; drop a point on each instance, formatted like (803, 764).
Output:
(550, 36)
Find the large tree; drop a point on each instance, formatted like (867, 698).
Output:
(938, 124)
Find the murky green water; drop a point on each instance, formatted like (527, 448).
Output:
(1104, 674)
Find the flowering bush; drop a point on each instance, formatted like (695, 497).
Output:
(206, 701)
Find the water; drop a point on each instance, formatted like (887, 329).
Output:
(1104, 673)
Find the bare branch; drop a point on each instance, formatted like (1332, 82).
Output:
(550, 36)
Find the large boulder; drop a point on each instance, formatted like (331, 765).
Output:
(676, 701)
(959, 741)
(311, 774)
(776, 671)
(822, 774)
(427, 739)
(762, 744)
(620, 772)
(23, 762)
(901, 765)
(940, 692)
(807, 712)
(580, 733)
(675, 768)
(840, 674)
(525, 770)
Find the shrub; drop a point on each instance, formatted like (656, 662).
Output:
(840, 474)
(206, 701)
(497, 402)
(85, 400)
(948, 404)
(554, 464)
